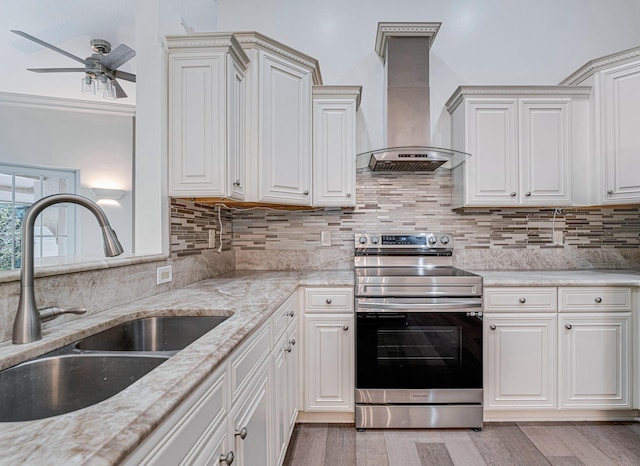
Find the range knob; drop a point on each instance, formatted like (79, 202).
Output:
(375, 240)
(362, 240)
(444, 240)
(433, 240)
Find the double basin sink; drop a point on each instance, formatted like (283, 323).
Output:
(97, 367)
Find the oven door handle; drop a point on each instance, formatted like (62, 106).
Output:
(449, 306)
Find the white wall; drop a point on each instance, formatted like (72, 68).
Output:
(480, 42)
(99, 145)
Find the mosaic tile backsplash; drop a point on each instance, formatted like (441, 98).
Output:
(509, 238)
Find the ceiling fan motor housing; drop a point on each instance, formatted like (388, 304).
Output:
(100, 46)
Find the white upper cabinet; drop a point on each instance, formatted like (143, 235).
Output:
(615, 108)
(334, 145)
(205, 81)
(523, 144)
(278, 116)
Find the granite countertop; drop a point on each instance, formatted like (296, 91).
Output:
(590, 277)
(105, 433)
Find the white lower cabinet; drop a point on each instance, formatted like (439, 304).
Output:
(571, 355)
(595, 364)
(243, 413)
(520, 361)
(329, 350)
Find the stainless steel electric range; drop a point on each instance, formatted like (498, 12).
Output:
(418, 334)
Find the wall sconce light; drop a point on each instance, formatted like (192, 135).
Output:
(106, 193)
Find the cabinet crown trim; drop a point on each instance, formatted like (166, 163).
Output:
(598, 64)
(386, 30)
(462, 92)
(223, 41)
(339, 91)
(257, 40)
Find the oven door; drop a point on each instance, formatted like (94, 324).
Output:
(418, 344)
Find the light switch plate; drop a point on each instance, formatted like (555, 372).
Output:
(164, 275)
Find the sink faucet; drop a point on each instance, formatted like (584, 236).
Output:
(27, 326)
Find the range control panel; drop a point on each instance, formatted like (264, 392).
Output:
(412, 240)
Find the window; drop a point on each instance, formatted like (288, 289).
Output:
(55, 228)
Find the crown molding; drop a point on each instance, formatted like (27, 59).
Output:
(59, 103)
(339, 91)
(598, 64)
(222, 41)
(252, 39)
(386, 30)
(462, 92)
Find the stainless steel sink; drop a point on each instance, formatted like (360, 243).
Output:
(170, 333)
(60, 384)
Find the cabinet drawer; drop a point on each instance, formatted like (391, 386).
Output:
(328, 299)
(246, 361)
(540, 299)
(597, 299)
(283, 316)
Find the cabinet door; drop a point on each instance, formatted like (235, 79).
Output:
(197, 125)
(236, 131)
(492, 171)
(595, 360)
(334, 152)
(250, 424)
(285, 370)
(545, 177)
(285, 132)
(329, 378)
(621, 139)
(520, 355)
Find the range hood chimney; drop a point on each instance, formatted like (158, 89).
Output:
(404, 49)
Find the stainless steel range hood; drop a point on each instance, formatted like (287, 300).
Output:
(404, 48)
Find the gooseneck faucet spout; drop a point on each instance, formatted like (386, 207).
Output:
(27, 326)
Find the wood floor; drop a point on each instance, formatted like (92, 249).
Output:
(522, 443)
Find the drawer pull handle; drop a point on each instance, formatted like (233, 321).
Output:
(242, 433)
(598, 300)
(523, 300)
(293, 341)
(345, 327)
(568, 326)
(492, 326)
(228, 458)
(328, 301)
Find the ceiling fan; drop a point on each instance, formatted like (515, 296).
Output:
(100, 67)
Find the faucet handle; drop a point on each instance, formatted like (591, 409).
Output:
(50, 313)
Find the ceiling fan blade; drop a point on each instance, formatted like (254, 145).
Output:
(118, 56)
(120, 93)
(124, 75)
(52, 47)
(56, 70)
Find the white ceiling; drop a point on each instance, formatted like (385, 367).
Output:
(69, 25)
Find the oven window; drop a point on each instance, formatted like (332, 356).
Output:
(418, 350)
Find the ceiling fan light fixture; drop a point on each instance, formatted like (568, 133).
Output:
(88, 85)
(109, 91)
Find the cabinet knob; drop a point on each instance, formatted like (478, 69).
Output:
(236, 183)
(528, 193)
(348, 194)
(492, 326)
(513, 194)
(242, 433)
(328, 301)
(305, 192)
(345, 327)
(293, 341)
(610, 192)
(568, 326)
(228, 458)
(598, 300)
(288, 349)
(291, 314)
(522, 300)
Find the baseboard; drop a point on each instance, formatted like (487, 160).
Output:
(561, 415)
(330, 418)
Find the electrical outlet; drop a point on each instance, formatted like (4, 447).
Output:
(558, 237)
(325, 238)
(164, 275)
(212, 239)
